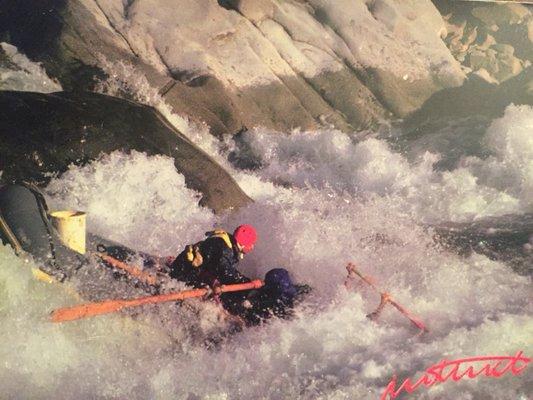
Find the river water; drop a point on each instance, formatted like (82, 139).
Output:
(443, 223)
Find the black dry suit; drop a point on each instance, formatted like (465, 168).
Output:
(276, 298)
(211, 261)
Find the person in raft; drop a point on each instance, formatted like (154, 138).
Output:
(213, 262)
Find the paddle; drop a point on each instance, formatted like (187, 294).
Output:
(109, 306)
(385, 298)
(136, 272)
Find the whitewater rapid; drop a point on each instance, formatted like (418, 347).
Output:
(322, 199)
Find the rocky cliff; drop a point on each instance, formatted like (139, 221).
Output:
(243, 63)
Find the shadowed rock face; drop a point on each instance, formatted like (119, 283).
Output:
(469, 110)
(476, 97)
(278, 64)
(44, 133)
(39, 28)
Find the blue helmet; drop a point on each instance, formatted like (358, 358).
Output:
(279, 281)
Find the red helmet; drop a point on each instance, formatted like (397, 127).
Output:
(246, 236)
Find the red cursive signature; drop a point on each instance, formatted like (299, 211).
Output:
(493, 367)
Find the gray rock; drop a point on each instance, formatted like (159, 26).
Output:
(314, 74)
(45, 133)
(506, 49)
(508, 66)
(501, 14)
(503, 45)
(475, 98)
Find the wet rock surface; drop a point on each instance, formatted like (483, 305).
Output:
(508, 239)
(42, 134)
(280, 65)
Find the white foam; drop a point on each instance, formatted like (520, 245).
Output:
(509, 168)
(498, 184)
(125, 79)
(137, 200)
(330, 352)
(23, 74)
(347, 201)
(77, 360)
(473, 306)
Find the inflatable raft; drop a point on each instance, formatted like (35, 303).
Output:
(104, 274)
(57, 241)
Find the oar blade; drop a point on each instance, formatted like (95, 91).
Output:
(416, 321)
(85, 310)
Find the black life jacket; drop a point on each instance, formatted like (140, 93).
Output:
(193, 253)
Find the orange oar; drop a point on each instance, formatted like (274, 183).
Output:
(109, 306)
(385, 298)
(130, 269)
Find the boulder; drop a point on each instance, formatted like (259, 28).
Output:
(477, 98)
(45, 133)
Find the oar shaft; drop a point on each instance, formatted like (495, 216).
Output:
(109, 306)
(414, 320)
(365, 279)
(130, 269)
